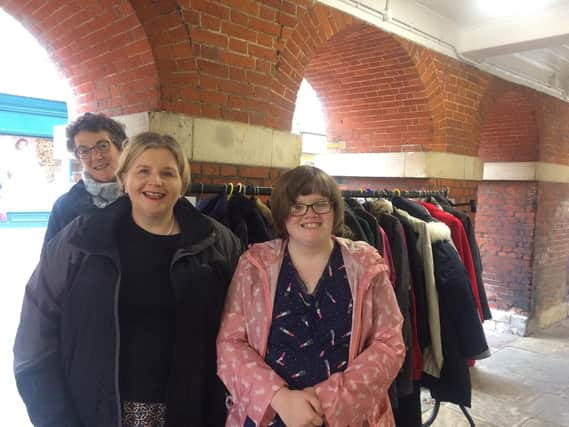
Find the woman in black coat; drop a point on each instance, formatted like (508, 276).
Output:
(119, 319)
(96, 140)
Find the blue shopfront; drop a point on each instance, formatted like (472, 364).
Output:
(33, 172)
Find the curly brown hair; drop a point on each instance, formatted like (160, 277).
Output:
(92, 122)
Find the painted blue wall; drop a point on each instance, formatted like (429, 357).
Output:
(24, 116)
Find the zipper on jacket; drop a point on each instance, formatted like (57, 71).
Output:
(117, 346)
(269, 315)
(358, 313)
(267, 292)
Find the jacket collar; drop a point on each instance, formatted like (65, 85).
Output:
(97, 232)
(273, 251)
(362, 262)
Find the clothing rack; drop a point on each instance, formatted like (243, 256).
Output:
(435, 412)
(230, 188)
(255, 190)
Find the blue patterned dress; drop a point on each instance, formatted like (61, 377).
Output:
(310, 334)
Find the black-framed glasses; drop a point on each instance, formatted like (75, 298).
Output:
(319, 207)
(103, 146)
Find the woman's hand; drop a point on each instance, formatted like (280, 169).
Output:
(298, 408)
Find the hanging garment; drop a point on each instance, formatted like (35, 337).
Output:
(408, 413)
(461, 331)
(412, 207)
(353, 224)
(361, 213)
(476, 258)
(432, 354)
(460, 240)
(393, 229)
(217, 207)
(241, 215)
(246, 209)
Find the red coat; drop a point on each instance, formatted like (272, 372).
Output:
(460, 240)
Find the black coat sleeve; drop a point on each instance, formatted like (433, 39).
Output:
(55, 223)
(37, 366)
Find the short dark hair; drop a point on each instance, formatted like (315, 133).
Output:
(301, 181)
(92, 122)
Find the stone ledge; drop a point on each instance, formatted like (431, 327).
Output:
(526, 171)
(423, 164)
(508, 323)
(221, 141)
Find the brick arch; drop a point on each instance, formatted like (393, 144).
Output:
(371, 92)
(509, 125)
(222, 60)
(313, 28)
(168, 27)
(430, 70)
(455, 91)
(101, 49)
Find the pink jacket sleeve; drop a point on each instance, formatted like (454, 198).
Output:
(350, 395)
(251, 382)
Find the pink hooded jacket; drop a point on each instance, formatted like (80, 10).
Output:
(355, 397)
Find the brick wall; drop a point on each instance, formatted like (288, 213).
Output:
(509, 133)
(505, 228)
(455, 92)
(101, 48)
(215, 173)
(551, 278)
(370, 90)
(554, 130)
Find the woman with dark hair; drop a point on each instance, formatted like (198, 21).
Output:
(120, 318)
(96, 140)
(311, 330)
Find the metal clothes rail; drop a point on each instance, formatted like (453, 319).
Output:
(230, 188)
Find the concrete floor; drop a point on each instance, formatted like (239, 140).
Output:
(525, 383)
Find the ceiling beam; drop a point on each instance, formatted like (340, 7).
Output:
(521, 65)
(511, 35)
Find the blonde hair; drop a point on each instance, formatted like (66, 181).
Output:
(138, 144)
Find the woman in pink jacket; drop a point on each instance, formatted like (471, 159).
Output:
(311, 332)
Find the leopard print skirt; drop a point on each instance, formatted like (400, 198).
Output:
(136, 414)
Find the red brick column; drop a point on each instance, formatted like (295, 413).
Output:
(505, 228)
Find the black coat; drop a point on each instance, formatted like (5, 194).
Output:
(77, 201)
(476, 258)
(396, 235)
(461, 331)
(67, 344)
(240, 215)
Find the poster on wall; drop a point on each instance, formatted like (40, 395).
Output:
(30, 177)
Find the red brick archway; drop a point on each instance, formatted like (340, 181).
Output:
(100, 47)
(371, 92)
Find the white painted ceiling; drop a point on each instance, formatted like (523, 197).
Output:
(527, 43)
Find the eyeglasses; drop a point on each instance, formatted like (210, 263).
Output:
(319, 207)
(100, 147)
